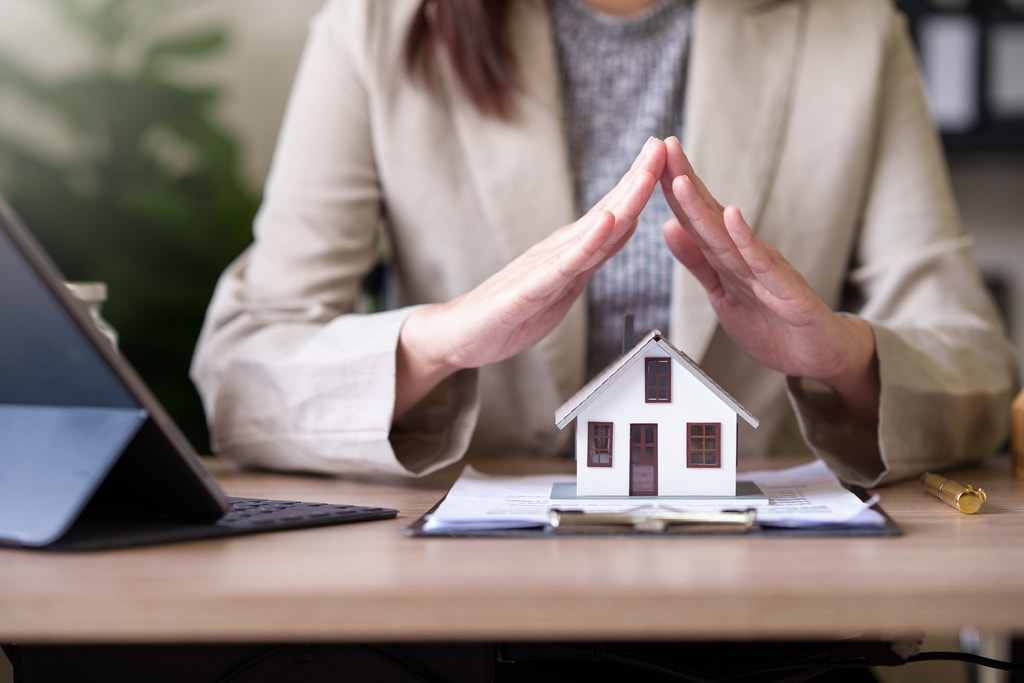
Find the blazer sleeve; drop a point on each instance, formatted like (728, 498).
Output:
(948, 372)
(290, 375)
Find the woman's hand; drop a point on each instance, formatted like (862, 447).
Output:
(765, 306)
(523, 302)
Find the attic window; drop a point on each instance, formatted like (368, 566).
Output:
(703, 444)
(599, 444)
(658, 380)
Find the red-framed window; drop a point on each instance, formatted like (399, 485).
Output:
(599, 444)
(703, 444)
(658, 380)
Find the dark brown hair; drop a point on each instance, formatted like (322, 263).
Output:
(474, 36)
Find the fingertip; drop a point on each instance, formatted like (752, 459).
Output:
(675, 159)
(645, 153)
(737, 225)
(650, 146)
(674, 232)
(733, 215)
(681, 245)
(603, 222)
(682, 186)
(670, 230)
(654, 153)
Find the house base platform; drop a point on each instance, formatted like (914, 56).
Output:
(747, 492)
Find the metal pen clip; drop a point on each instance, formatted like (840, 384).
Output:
(652, 521)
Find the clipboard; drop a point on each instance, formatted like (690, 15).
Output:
(573, 523)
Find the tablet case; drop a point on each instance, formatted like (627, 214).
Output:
(79, 429)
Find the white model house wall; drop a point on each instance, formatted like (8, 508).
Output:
(623, 404)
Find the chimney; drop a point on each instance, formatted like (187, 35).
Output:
(628, 336)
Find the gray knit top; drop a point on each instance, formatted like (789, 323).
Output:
(622, 82)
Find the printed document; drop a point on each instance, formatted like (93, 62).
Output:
(803, 496)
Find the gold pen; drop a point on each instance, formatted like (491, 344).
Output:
(966, 499)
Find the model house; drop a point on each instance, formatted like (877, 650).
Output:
(654, 424)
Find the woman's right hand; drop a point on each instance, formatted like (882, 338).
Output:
(520, 304)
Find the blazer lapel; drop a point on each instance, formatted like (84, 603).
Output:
(739, 88)
(520, 170)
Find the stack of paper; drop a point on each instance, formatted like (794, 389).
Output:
(798, 497)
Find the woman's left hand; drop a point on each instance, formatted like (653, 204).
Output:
(765, 306)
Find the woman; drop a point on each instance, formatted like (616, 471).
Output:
(808, 116)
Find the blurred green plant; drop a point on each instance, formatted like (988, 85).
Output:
(149, 198)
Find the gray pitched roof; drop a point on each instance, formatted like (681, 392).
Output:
(592, 389)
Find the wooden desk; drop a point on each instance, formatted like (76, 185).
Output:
(369, 582)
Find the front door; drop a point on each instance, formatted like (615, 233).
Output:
(643, 459)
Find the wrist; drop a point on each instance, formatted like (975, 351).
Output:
(857, 382)
(420, 363)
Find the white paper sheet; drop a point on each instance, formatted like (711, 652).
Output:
(804, 496)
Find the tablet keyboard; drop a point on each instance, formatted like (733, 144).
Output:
(264, 513)
(108, 529)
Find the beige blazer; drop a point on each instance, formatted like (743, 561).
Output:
(808, 114)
